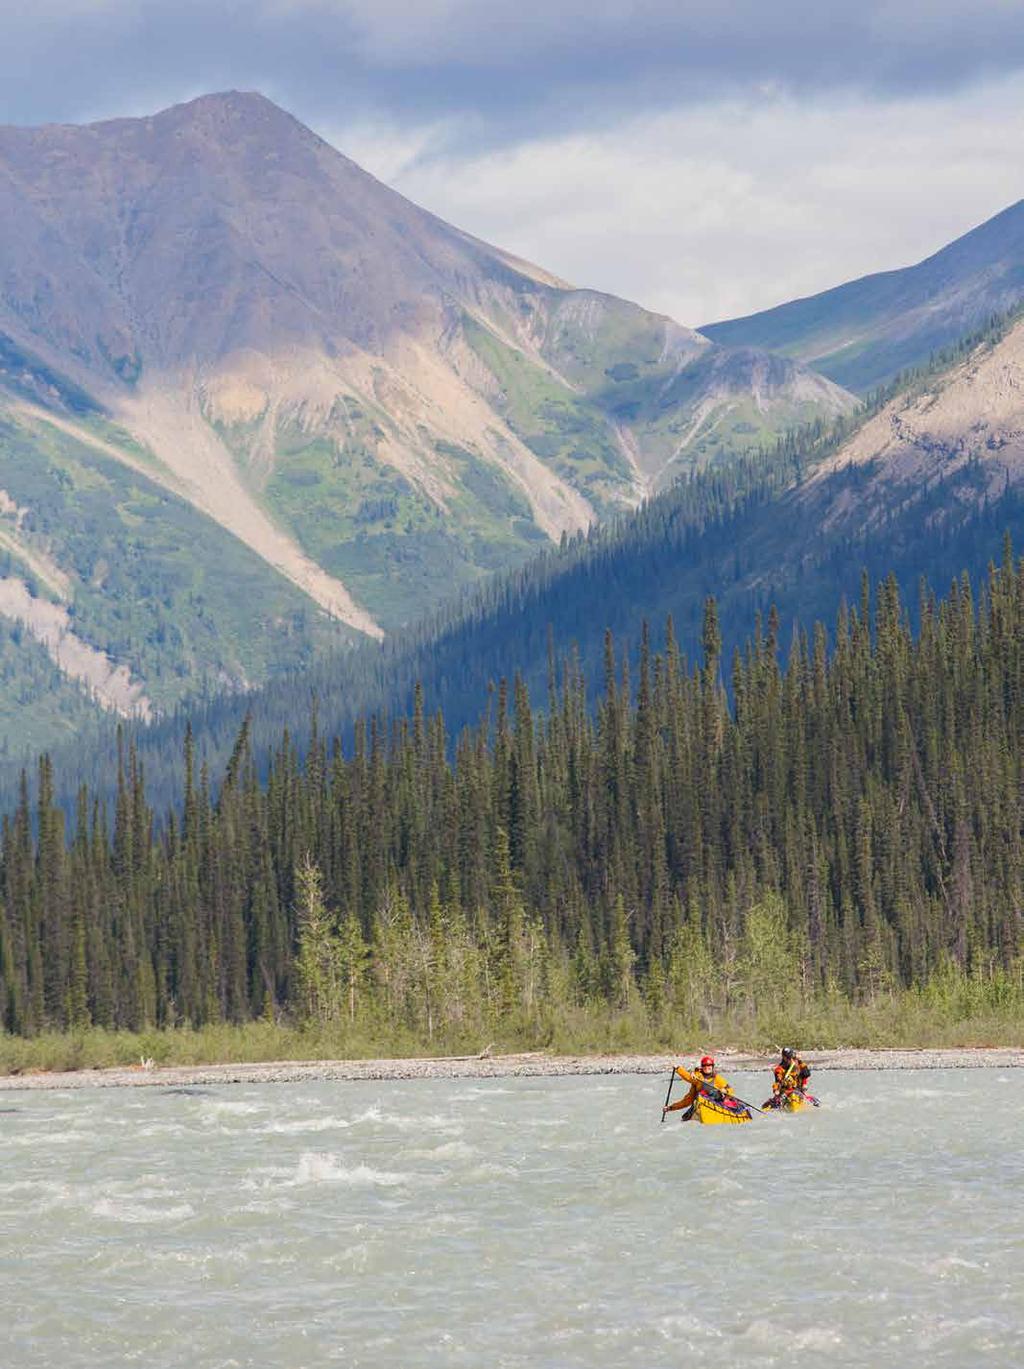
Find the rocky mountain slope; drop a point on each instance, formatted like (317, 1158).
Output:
(866, 331)
(957, 434)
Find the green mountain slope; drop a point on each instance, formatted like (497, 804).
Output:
(143, 580)
(863, 333)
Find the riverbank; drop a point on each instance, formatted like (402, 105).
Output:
(530, 1065)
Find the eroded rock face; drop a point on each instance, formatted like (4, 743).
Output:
(109, 684)
(965, 428)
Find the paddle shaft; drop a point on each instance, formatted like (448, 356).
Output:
(668, 1095)
(717, 1096)
(749, 1105)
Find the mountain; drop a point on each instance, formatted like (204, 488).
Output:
(953, 438)
(864, 333)
(253, 402)
(923, 486)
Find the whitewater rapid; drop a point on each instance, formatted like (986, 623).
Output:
(517, 1222)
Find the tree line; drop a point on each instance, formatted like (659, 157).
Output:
(848, 822)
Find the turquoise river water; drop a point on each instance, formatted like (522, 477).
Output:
(531, 1222)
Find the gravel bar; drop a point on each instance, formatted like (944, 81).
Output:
(531, 1065)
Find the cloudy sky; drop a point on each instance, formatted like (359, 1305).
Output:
(704, 157)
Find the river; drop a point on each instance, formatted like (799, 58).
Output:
(547, 1223)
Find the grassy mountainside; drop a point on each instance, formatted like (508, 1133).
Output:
(863, 333)
(628, 399)
(39, 705)
(143, 578)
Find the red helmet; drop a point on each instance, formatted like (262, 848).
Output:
(707, 1063)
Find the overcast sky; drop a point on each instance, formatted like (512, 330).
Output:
(703, 158)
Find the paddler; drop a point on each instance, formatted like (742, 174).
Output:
(705, 1080)
(790, 1075)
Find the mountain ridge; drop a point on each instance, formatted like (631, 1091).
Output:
(864, 332)
(381, 407)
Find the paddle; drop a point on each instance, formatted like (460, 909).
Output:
(668, 1095)
(748, 1105)
(717, 1096)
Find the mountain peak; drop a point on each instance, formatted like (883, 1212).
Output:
(227, 116)
(358, 392)
(234, 101)
(251, 107)
(251, 100)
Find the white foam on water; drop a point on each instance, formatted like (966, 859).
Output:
(719, 1183)
(123, 1210)
(448, 1150)
(677, 1324)
(229, 1107)
(427, 1121)
(298, 1126)
(353, 1258)
(949, 1265)
(161, 1129)
(115, 1260)
(318, 1168)
(371, 1115)
(949, 1328)
(491, 1170)
(51, 1192)
(816, 1337)
(263, 1177)
(52, 1120)
(24, 1185)
(36, 1140)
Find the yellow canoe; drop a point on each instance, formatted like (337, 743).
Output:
(713, 1114)
(793, 1102)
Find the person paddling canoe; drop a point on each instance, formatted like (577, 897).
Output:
(790, 1076)
(704, 1082)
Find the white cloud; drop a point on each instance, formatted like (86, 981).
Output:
(694, 155)
(711, 211)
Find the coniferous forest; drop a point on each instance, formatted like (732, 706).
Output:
(844, 824)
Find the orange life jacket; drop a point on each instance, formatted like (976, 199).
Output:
(792, 1076)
